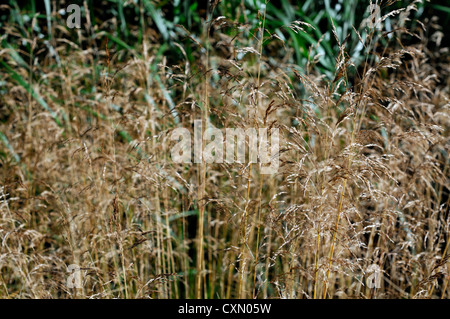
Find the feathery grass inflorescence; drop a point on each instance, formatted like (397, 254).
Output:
(86, 117)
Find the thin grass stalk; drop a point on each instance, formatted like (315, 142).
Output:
(202, 199)
(244, 243)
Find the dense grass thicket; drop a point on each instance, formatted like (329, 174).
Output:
(359, 207)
